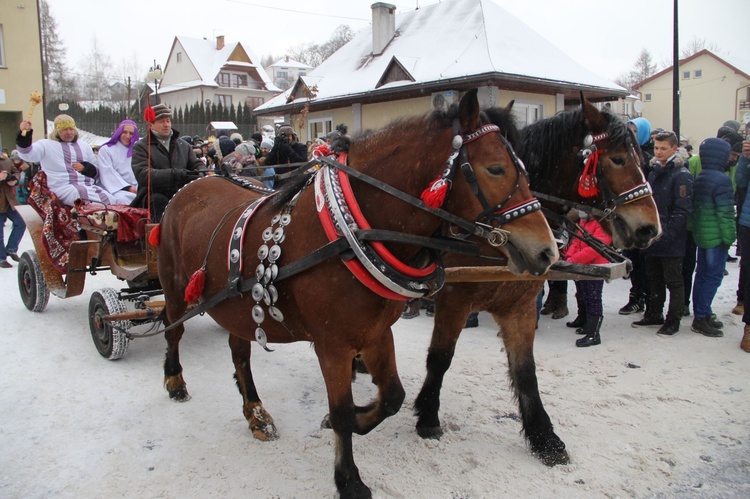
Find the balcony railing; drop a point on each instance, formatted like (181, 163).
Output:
(745, 104)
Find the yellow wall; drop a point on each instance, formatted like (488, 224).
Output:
(22, 73)
(705, 103)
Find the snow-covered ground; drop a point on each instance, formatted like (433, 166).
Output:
(642, 415)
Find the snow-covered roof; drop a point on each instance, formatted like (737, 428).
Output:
(208, 62)
(289, 63)
(450, 40)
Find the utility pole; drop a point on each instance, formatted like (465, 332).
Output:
(127, 111)
(676, 79)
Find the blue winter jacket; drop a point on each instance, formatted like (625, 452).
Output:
(672, 185)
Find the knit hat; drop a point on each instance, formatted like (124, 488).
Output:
(226, 146)
(161, 110)
(714, 153)
(63, 122)
(14, 155)
(236, 137)
(245, 149)
(733, 124)
(266, 143)
(643, 129)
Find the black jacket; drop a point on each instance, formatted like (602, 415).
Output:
(282, 152)
(169, 169)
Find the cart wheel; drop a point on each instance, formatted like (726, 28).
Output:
(31, 284)
(111, 343)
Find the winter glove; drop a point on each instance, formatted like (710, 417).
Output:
(179, 176)
(24, 141)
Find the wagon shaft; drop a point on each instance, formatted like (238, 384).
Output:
(560, 271)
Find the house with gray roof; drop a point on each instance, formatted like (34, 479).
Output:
(208, 71)
(410, 62)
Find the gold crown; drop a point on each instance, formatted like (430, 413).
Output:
(62, 125)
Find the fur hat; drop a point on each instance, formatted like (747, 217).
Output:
(63, 122)
(236, 137)
(161, 110)
(257, 137)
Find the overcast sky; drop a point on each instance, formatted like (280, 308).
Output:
(604, 35)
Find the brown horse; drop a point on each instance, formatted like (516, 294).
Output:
(326, 304)
(553, 149)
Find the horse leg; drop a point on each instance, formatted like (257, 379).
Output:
(173, 380)
(260, 421)
(336, 371)
(380, 359)
(517, 330)
(449, 321)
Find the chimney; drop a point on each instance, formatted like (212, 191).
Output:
(383, 26)
(219, 42)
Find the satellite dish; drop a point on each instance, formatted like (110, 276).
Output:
(638, 106)
(207, 102)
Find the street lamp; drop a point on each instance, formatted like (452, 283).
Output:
(155, 75)
(63, 106)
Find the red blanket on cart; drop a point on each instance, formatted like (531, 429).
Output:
(60, 228)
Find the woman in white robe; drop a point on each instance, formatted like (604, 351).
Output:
(115, 170)
(70, 164)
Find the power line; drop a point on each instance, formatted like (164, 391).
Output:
(297, 11)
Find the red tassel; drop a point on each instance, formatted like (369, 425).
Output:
(587, 185)
(148, 114)
(155, 235)
(194, 289)
(434, 195)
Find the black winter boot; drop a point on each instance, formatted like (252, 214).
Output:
(670, 327)
(591, 329)
(549, 303)
(580, 319)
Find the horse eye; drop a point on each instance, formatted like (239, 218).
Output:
(618, 160)
(496, 170)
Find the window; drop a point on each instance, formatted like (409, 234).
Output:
(2, 47)
(685, 75)
(647, 97)
(239, 80)
(224, 100)
(179, 57)
(253, 102)
(526, 114)
(319, 128)
(697, 73)
(224, 79)
(282, 74)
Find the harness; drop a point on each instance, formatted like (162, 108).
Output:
(361, 247)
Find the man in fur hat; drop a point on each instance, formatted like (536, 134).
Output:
(69, 163)
(173, 163)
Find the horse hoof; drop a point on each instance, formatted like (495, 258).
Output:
(554, 458)
(326, 423)
(434, 432)
(360, 491)
(265, 433)
(179, 395)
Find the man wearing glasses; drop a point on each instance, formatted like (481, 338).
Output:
(672, 185)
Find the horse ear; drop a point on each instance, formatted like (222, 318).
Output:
(468, 111)
(594, 120)
(509, 107)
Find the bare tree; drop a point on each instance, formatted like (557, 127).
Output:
(57, 84)
(99, 74)
(642, 69)
(695, 45)
(313, 54)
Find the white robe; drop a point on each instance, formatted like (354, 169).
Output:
(57, 160)
(115, 171)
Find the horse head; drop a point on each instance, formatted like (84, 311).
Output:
(492, 188)
(589, 157)
(630, 213)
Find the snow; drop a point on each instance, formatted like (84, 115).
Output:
(467, 38)
(642, 415)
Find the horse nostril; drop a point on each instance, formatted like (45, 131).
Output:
(646, 232)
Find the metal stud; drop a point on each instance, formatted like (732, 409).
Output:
(275, 219)
(234, 255)
(258, 314)
(266, 297)
(267, 234)
(262, 252)
(274, 253)
(278, 234)
(275, 314)
(260, 270)
(274, 271)
(273, 293)
(257, 291)
(237, 233)
(266, 276)
(285, 219)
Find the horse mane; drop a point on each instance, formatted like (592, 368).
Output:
(432, 122)
(546, 144)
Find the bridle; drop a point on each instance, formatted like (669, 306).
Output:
(591, 174)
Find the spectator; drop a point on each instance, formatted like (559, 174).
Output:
(713, 230)
(115, 162)
(69, 163)
(22, 187)
(8, 201)
(743, 179)
(173, 163)
(638, 282)
(236, 137)
(286, 148)
(589, 293)
(672, 185)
